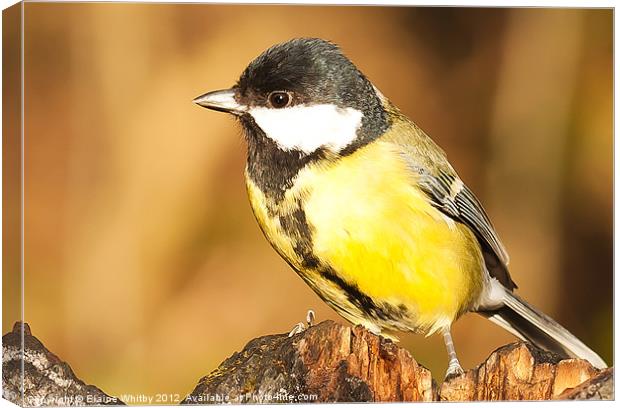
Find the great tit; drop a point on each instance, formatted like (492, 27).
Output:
(366, 208)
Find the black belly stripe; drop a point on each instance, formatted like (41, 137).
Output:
(353, 293)
(380, 311)
(295, 226)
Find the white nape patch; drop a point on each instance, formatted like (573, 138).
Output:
(308, 128)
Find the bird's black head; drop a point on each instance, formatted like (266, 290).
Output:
(312, 71)
(298, 101)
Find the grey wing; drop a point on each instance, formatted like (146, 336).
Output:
(451, 196)
(447, 192)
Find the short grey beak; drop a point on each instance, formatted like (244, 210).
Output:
(222, 101)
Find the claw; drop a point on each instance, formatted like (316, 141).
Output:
(310, 317)
(454, 370)
(301, 327)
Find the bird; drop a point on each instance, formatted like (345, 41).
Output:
(366, 207)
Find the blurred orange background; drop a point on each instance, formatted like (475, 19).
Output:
(144, 265)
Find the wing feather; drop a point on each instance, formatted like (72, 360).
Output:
(449, 194)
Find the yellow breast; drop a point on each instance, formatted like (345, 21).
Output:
(379, 232)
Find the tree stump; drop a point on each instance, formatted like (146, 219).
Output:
(518, 371)
(328, 362)
(46, 380)
(334, 363)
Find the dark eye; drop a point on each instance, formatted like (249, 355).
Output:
(279, 99)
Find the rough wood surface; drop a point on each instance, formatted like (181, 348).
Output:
(518, 371)
(46, 380)
(599, 387)
(328, 362)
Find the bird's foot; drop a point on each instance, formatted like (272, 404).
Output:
(454, 370)
(301, 327)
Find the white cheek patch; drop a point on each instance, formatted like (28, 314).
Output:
(308, 128)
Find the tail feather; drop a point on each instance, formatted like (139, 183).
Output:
(527, 323)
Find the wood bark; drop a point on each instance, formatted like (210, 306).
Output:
(328, 362)
(34, 376)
